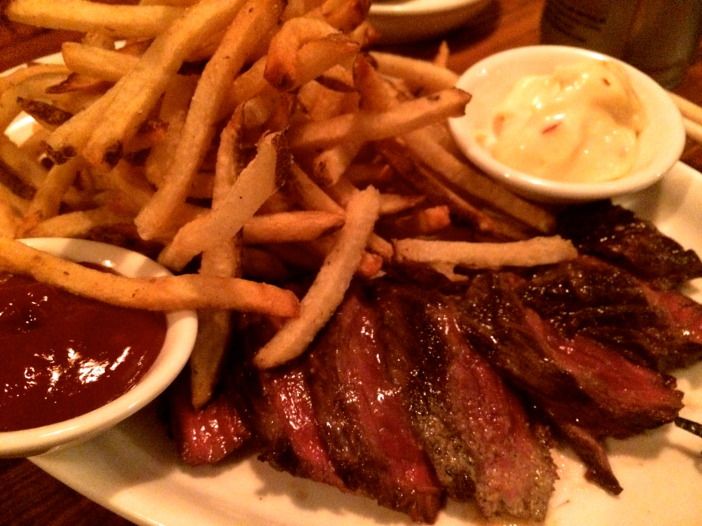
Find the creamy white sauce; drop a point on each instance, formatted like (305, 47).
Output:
(579, 124)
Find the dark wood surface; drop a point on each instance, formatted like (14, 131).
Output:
(31, 497)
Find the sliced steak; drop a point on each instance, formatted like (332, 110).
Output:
(462, 407)
(293, 440)
(660, 329)
(576, 382)
(616, 235)
(207, 435)
(363, 419)
(417, 363)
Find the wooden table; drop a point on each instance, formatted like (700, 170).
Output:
(30, 497)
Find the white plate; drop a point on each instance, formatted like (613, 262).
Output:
(133, 469)
(410, 20)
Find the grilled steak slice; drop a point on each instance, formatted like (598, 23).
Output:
(461, 406)
(660, 329)
(417, 364)
(206, 435)
(616, 235)
(363, 419)
(576, 382)
(288, 425)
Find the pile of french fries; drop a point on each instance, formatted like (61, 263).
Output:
(247, 142)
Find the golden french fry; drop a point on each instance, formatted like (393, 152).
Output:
(442, 55)
(135, 94)
(329, 165)
(78, 224)
(304, 48)
(419, 74)
(173, 111)
(104, 64)
(9, 220)
(344, 15)
(24, 167)
(120, 21)
(47, 199)
(373, 126)
(162, 293)
(424, 147)
(329, 287)
(17, 203)
(256, 183)
(213, 330)
(222, 260)
(426, 221)
(527, 253)
(253, 20)
(289, 227)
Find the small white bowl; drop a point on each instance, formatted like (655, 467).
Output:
(661, 141)
(410, 20)
(180, 338)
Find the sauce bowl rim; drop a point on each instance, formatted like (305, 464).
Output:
(181, 331)
(554, 191)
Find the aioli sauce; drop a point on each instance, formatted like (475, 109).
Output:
(62, 355)
(579, 124)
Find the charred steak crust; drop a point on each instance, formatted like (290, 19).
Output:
(586, 296)
(616, 235)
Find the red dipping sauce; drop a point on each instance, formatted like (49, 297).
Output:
(62, 355)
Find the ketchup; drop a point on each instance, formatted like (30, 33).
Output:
(62, 355)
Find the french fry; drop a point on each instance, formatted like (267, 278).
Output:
(222, 260)
(296, 8)
(27, 82)
(120, 21)
(373, 126)
(289, 227)
(442, 55)
(26, 168)
(173, 111)
(419, 74)
(68, 139)
(433, 155)
(18, 204)
(429, 183)
(213, 333)
(329, 165)
(78, 224)
(47, 199)
(135, 94)
(527, 253)
(254, 19)
(9, 220)
(247, 85)
(389, 203)
(104, 64)
(313, 197)
(329, 287)
(189, 291)
(344, 15)
(259, 180)
(425, 221)
(303, 49)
